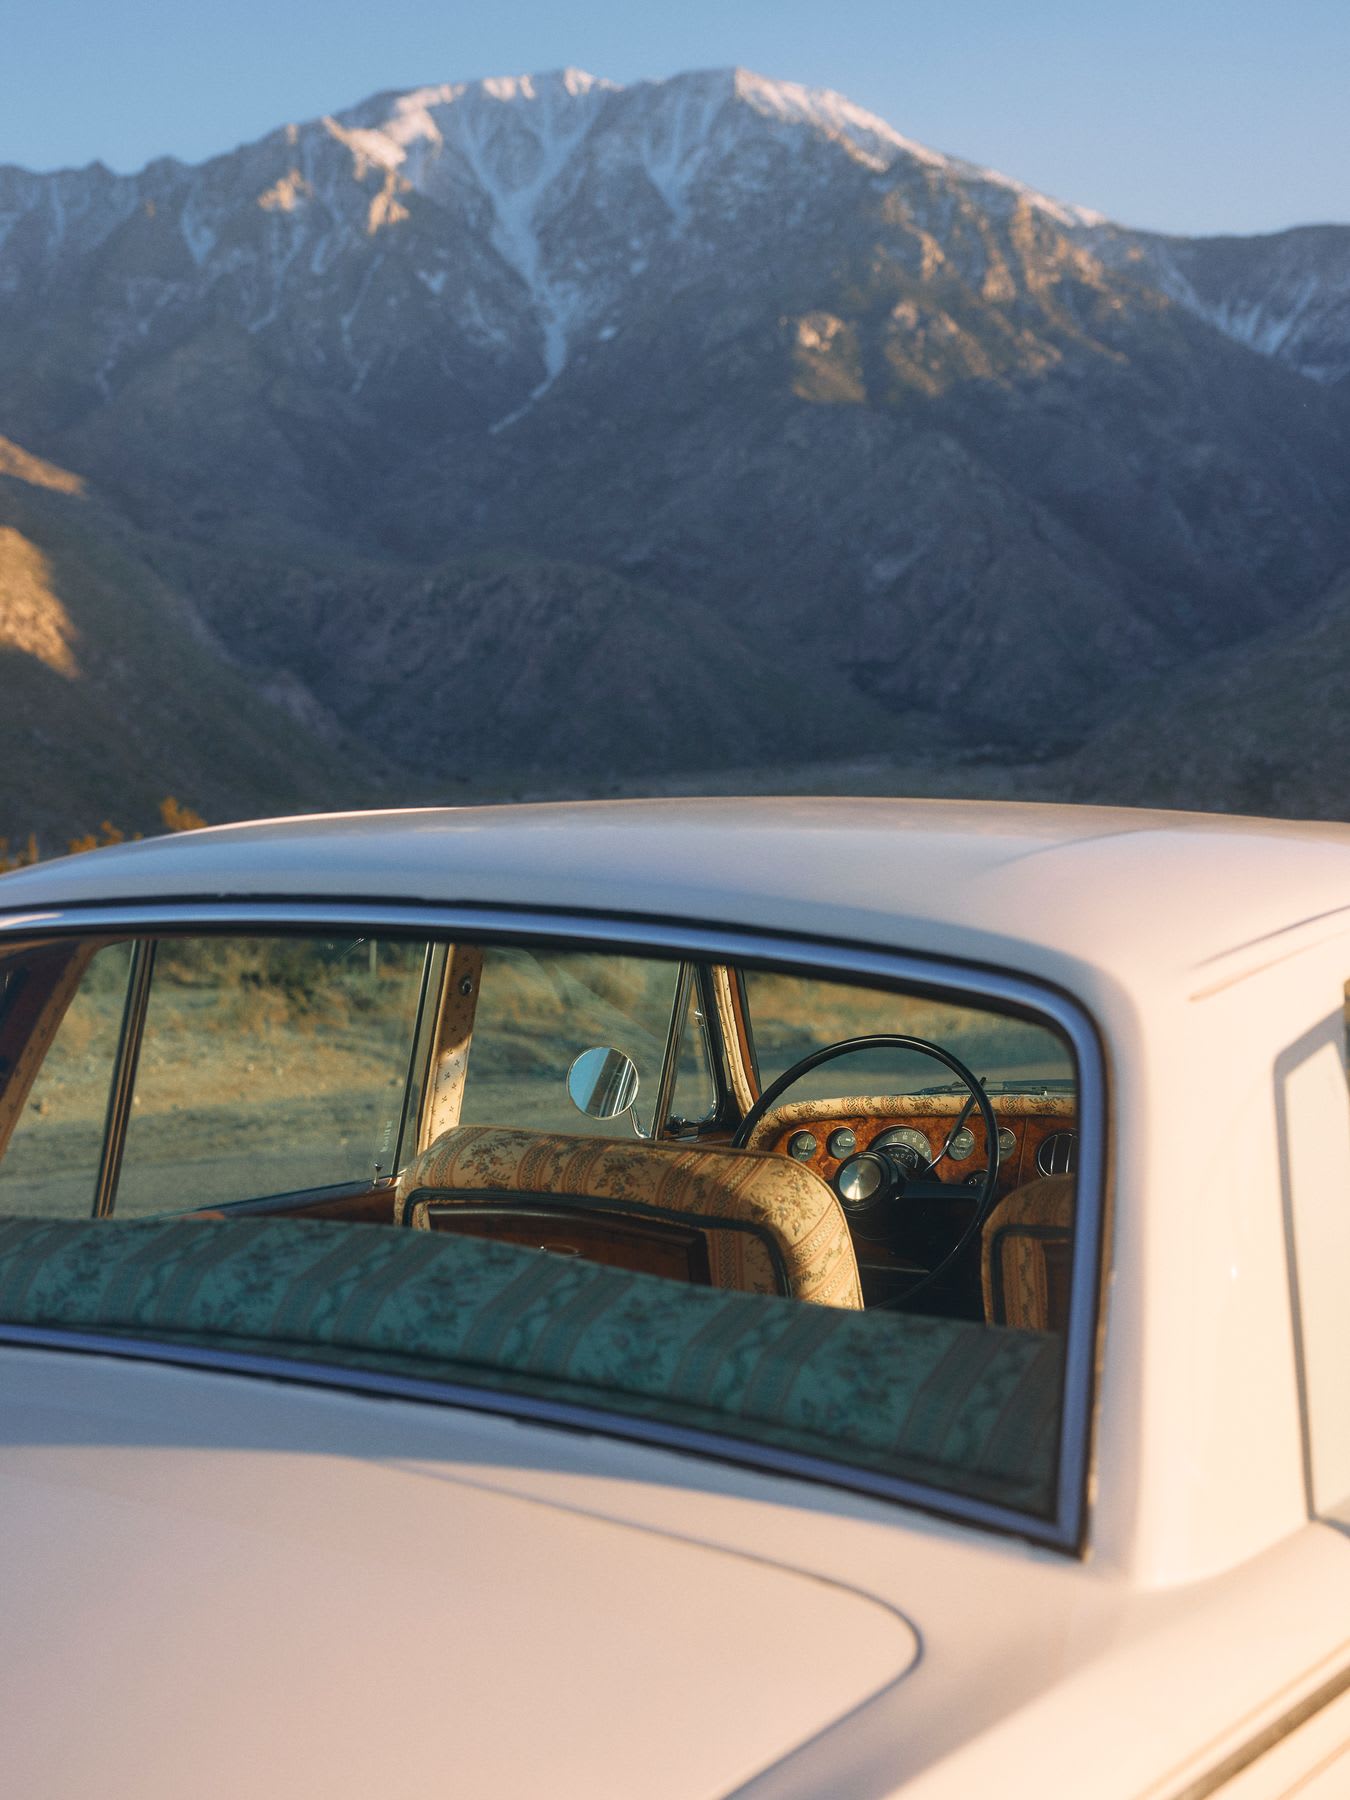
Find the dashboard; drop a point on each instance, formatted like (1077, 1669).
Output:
(900, 1236)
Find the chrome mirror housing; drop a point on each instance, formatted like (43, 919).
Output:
(603, 1083)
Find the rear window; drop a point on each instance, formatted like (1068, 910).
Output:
(838, 1219)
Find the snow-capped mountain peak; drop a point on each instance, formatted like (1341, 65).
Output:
(824, 110)
(515, 220)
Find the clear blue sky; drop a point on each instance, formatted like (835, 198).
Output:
(1184, 115)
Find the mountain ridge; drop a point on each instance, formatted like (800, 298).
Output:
(394, 128)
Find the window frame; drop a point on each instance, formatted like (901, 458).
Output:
(826, 958)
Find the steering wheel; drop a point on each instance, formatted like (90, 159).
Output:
(881, 1175)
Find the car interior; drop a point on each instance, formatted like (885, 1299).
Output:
(758, 1129)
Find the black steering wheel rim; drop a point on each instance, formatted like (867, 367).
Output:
(885, 1040)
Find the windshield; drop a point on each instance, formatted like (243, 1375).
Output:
(791, 1016)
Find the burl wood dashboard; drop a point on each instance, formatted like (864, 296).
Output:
(907, 1236)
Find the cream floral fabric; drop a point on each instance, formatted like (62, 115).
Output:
(781, 1197)
(1013, 1252)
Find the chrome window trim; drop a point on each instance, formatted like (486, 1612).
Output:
(829, 957)
(126, 1061)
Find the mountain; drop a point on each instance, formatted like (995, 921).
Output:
(116, 695)
(1260, 727)
(1286, 295)
(544, 426)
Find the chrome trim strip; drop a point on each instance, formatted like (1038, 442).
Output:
(1257, 1746)
(670, 1062)
(564, 1414)
(419, 1049)
(124, 1075)
(834, 958)
(424, 1050)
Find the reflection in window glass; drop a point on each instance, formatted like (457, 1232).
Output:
(268, 1065)
(51, 1165)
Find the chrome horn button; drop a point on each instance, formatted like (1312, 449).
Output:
(862, 1179)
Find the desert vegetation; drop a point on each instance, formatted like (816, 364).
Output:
(174, 816)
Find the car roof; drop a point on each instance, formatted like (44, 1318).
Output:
(1038, 887)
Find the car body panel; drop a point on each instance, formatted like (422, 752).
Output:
(318, 1598)
(1041, 887)
(316, 1592)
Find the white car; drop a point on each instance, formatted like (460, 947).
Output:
(678, 1299)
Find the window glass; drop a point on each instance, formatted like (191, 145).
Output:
(268, 1065)
(52, 1163)
(695, 1099)
(791, 1016)
(539, 1009)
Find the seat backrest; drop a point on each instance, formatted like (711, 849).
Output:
(769, 1223)
(1024, 1255)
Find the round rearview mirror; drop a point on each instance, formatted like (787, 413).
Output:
(602, 1083)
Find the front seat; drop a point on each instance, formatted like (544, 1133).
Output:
(758, 1223)
(1025, 1251)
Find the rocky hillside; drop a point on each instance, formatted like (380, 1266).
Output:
(546, 427)
(115, 695)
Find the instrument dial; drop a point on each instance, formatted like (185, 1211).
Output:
(803, 1145)
(963, 1142)
(842, 1142)
(907, 1146)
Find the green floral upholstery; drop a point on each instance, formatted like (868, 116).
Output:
(788, 1201)
(955, 1404)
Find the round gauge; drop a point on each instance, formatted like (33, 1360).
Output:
(861, 1179)
(842, 1142)
(907, 1146)
(802, 1145)
(963, 1142)
(1007, 1143)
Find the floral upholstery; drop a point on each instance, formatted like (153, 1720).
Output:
(1024, 1255)
(943, 1401)
(790, 1203)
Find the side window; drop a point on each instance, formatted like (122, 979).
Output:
(268, 1066)
(539, 1009)
(68, 1002)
